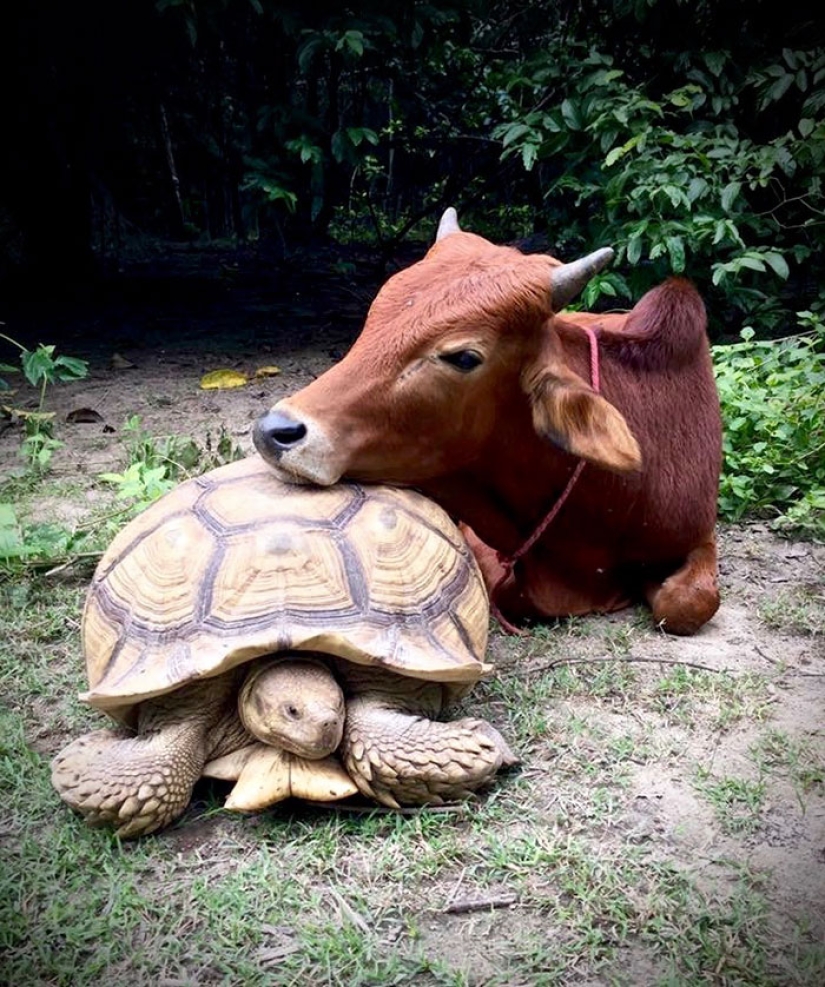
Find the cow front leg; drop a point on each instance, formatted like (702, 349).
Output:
(689, 597)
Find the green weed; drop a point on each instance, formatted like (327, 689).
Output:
(41, 369)
(157, 464)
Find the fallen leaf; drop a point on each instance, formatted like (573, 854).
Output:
(34, 416)
(121, 363)
(271, 371)
(222, 380)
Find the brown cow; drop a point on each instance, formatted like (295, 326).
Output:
(466, 384)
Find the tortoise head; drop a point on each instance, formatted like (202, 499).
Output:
(293, 703)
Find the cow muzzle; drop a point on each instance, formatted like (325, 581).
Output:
(297, 449)
(276, 432)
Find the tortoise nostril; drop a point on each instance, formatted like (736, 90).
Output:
(275, 431)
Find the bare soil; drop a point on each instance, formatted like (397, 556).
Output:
(147, 355)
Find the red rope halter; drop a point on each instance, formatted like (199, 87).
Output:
(509, 561)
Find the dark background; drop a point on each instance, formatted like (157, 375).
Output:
(159, 146)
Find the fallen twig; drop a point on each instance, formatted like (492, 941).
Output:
(466, 905)
(760, 652)
(411, 810)
(456, 887)
(624, 658)
(347, 911)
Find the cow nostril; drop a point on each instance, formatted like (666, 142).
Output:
(276, 431)
(288, 435)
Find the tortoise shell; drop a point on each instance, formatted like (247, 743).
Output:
(236, 564)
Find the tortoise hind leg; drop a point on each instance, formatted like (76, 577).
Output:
(140, 783)
(401, 758)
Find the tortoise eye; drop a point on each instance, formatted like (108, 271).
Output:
(463, 360)
(293, 712)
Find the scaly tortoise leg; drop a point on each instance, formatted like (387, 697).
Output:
(398, 756)
(140, 783)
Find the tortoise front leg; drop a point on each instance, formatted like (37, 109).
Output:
(140, 783)
(399, 757)
(135, 784)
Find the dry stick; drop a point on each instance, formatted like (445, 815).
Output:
(760, 652)
(349, 912)
(480, 904)
(627, 658)
(456, 887)
(412, 810)
(73, 560)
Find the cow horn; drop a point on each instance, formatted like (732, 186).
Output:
(448, 224)
(568, 280)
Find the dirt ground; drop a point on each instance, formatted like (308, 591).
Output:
(147, 354)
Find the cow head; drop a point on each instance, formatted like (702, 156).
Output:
(456, 350)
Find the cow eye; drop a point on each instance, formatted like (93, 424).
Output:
(463, 360)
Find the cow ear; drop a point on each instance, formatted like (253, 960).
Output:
(569, 413)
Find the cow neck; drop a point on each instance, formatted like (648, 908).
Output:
(508, 562)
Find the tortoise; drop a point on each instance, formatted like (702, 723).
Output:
(250, 629)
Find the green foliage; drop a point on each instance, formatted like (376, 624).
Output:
(154, 467)
(688, 135)
(41, 369)
(40, 544)
(773, 407)
(694, 178)
(140, 483)
(156, 464)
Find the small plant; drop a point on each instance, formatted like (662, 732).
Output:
(156, 464)
(41, 368)
(773, 408)
(140, 483)
(800, 610)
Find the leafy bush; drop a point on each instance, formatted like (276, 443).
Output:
(717, 176)
(773, 407)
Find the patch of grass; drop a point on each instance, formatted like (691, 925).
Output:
(688, 697)
(793, 758)
(595, 902)
(737, 802)
(643, 746)
(612, 682)
(41, 669)
(800, 610)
